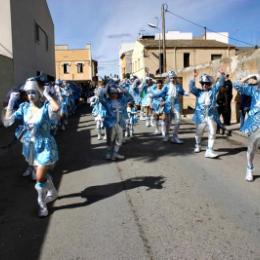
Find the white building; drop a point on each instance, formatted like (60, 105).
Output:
(177, 35)
(26, 42)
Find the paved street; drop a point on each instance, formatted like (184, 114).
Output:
(162, 202)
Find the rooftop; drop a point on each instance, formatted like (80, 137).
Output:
(194, 43)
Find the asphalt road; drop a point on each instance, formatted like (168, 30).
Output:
(162, 202)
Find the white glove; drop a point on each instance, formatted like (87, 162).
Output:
(46, 92)
(13, 98)
(99, 117)
(186, 93)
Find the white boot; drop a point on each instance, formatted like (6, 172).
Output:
(147, 124)
(210, 154)
(28, 171)
(249, 175)
(197, 148)
(152, 122)
(176, 140)
(156, 132)
(163, 129)
(42, 193)
(117, 156)
(166, 138)
(52, 193)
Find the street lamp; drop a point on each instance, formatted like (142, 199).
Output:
(158, 29)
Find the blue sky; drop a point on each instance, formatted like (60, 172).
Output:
(108, 23)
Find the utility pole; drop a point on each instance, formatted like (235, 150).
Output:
(163, 10)
(205, 33)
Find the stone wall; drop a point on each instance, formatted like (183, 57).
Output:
(240, 65)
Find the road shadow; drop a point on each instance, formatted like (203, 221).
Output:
(94, 194)
(231, 151)
(256, 177)
(22, 233)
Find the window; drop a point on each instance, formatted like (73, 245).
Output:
(37, 32)
(40, 33)
(65, 68)
(216, 56)
(80, 67)
(186, 60)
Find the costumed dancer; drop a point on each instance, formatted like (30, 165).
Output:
(39, 147)
(171, 93)
(99, 114)
(135, 91)
(146, 101)
(250, 86)
(115, 104)
(132, 119)
(206, 114)
(158, 108)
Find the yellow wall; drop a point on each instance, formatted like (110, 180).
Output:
(138, 60)
(72, 57)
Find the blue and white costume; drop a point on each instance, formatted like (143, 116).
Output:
(251, 126)
(158, 109)
(131, 121)
(134, 91)
(126, 87)
(39, 146)
(99, 114)
(206, 114)
(146, 101)
(171, 94)
(114, 120)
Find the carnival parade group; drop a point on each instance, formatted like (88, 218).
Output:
(41, 108)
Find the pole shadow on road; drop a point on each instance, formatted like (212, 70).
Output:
(231, 151)
(94, 194)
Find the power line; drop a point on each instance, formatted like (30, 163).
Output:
(209, 29)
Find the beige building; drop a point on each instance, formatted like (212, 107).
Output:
(75, 64)
(126, 63)
(26, 42)
(179, 54)
(125, 58)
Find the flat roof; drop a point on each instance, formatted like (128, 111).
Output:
(194, 43)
